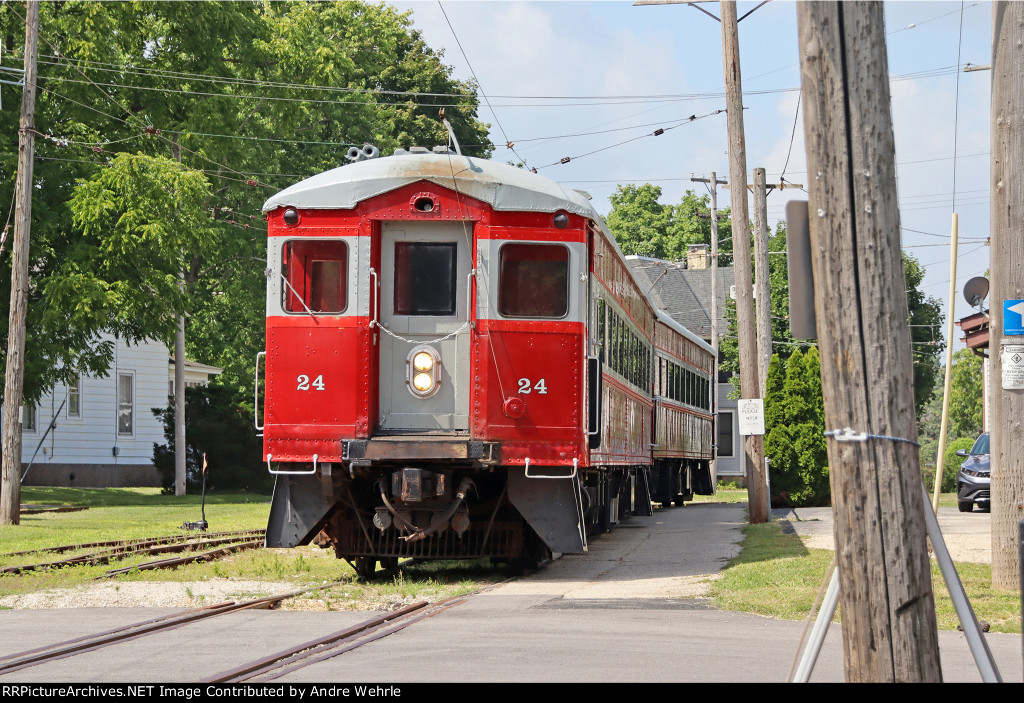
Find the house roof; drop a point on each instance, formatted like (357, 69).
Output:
(196, 366)
(683, 294)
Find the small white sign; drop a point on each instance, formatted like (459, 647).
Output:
(751, 416)
(1012, 357)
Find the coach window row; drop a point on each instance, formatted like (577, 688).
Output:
(315, 275)
(625, 352)
(684, 385)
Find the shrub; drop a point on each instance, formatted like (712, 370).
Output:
(795, 441)
(222, 429)
(949, 468)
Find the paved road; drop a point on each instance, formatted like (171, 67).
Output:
(627, 611)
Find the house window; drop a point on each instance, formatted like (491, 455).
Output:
(125, 403)
(28, 418)
(534, 280)
(725, 436)
(75, 397)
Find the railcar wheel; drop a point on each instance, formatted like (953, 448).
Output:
(389, 565)
(365, 567)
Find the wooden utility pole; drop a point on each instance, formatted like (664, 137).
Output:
(1007, 213)
(888, 610)
(714, 183)
(761, 281)
(180, 446)
(753, 445)
(14, 381)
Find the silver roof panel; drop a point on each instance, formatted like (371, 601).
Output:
(503, 187)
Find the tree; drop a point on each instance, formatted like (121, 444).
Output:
(638, 221)
(925, 333)
(925, 319)
(783, 343)
(966, 398)
(264, 94)
(218, 427)
(142, 221)
(645, 227)
(795, 427)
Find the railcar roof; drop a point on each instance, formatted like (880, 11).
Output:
(503, 187)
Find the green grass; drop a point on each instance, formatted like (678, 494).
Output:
(124, 513)
(777, 576)
(724, 495)
(127, 513)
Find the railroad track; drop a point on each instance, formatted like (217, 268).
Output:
(226, 543)
(276, 665)
(89, 643)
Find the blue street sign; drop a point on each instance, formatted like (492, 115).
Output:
(1013, 317)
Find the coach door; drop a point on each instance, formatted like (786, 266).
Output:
(424, 343)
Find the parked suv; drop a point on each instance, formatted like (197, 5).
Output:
(973, 480)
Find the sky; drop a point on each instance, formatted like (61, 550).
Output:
(565, 79)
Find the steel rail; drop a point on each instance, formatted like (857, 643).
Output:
(333, 645)
(107, 556)
(88, 643)
(167, 539)
(115, 630)
(179, 561)
(312, 658)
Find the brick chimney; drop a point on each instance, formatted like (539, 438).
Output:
(698, 256)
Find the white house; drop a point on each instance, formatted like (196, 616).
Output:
(104, 428)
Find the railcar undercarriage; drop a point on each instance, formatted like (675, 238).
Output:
(378, 512)
(428, 512)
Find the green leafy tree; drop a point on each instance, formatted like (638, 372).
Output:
(966, 399)
(256, 96)
(794, 426)
(950, 467)
(218, 427)
(925, 319)
(925, 332)
(644, 226)
(142, 220)
(783, 343)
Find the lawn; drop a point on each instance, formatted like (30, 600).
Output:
(127, 513)
(777, 576)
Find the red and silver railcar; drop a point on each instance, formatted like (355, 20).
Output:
(460, 364)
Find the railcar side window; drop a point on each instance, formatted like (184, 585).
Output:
(317, 275)
(425, 278)
(628, 353)
(534, 280)
(687, 387)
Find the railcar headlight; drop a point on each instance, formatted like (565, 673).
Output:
(422, 361)
(422, 382)
(423, 371)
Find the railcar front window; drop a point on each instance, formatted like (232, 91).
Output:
(425, 278)
(317, 276)
(534, 280)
